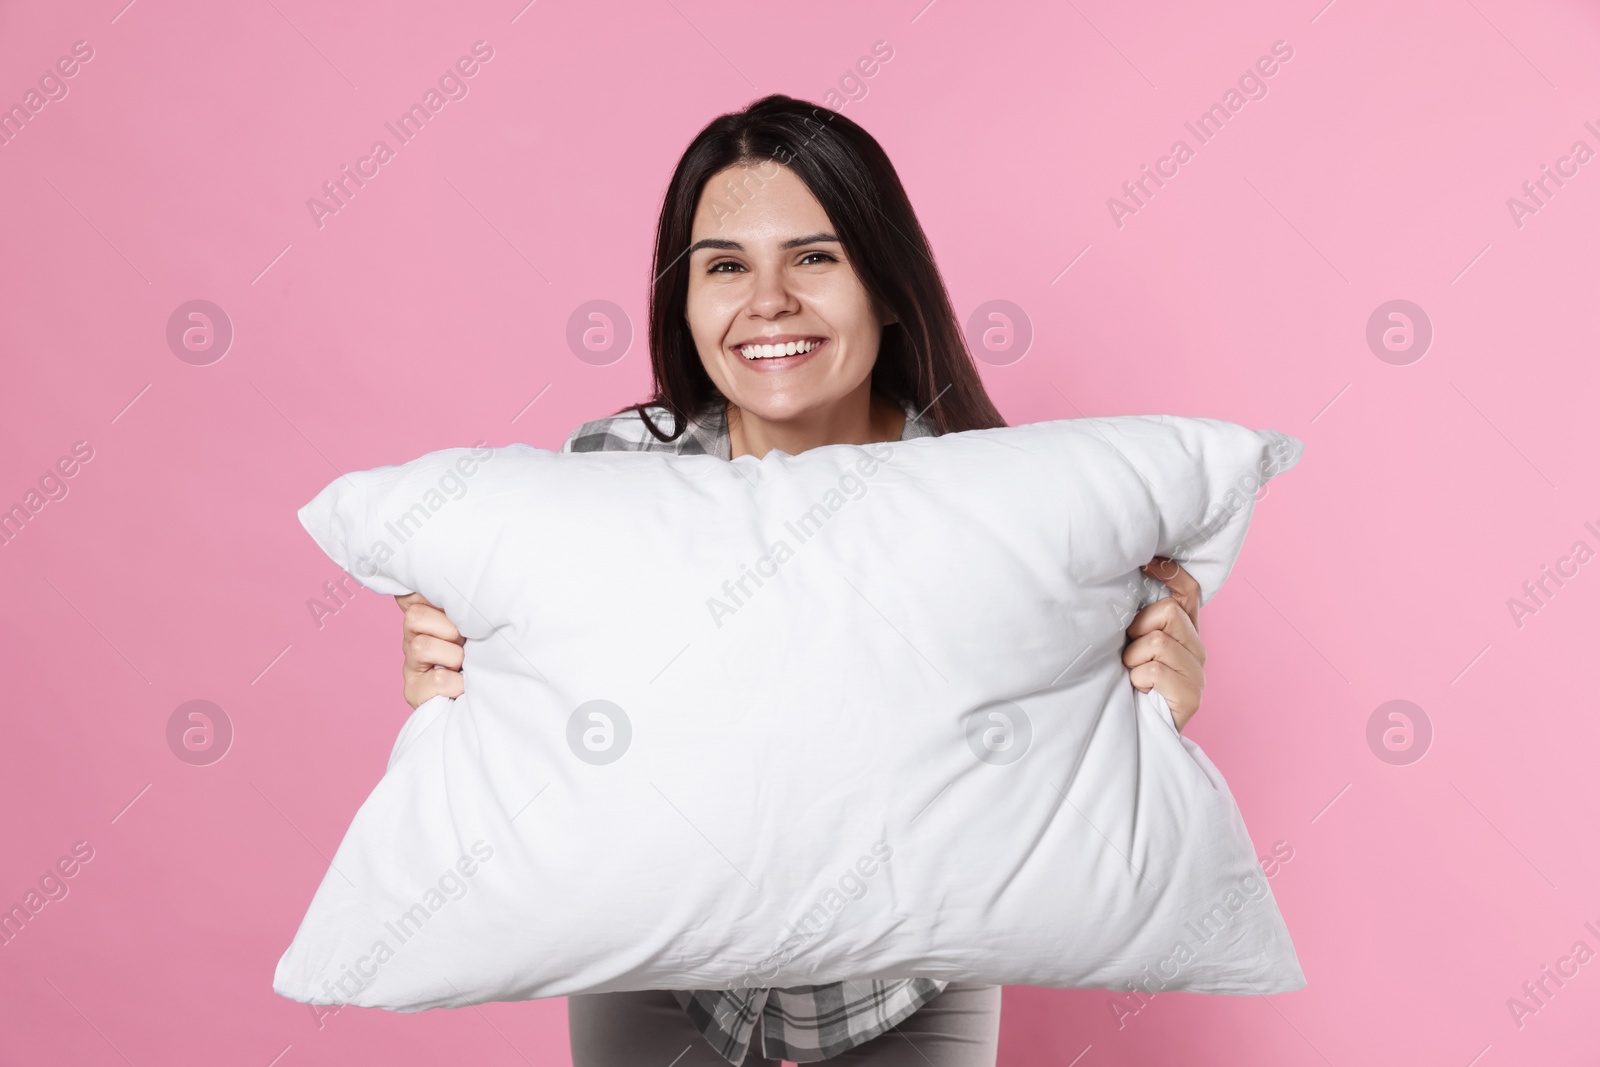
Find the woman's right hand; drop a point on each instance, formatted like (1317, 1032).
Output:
(433, 649)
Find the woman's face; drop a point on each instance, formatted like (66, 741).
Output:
(766, 268)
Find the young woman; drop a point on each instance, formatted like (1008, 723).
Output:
(796, 304)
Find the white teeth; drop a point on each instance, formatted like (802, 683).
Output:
(793, 348)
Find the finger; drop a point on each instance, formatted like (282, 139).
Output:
(423, 653)
(424, 618)
(408, 599)
(1185, 590)
(1156, 675)
(421, 688)
(1181, 690)
(1160, 647)
(1167, 615)
(1182, 694)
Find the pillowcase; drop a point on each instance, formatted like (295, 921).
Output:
(857, 713)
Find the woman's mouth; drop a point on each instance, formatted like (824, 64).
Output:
(779, 356)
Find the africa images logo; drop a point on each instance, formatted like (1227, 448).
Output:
(452, 85)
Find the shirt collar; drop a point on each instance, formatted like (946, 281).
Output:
(708, 429)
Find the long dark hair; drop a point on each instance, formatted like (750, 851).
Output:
(922, 358)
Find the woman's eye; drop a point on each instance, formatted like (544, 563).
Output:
(716, 268)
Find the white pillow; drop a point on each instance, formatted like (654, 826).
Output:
(857, 713)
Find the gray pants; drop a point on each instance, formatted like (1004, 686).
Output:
(958, 1028)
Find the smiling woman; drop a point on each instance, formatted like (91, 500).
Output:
(821, 248)
(796, 305)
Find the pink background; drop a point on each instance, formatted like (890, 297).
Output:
(433, 309)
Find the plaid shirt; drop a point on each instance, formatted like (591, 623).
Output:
(804, 1023)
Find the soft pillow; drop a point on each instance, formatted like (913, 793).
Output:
(857, 713)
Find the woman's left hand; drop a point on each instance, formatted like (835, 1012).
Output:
(1164, 650)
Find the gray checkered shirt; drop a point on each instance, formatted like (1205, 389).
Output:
(804, 1023)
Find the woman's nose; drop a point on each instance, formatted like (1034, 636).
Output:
(772, 293)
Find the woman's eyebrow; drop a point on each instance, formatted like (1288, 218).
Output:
(735, 246)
